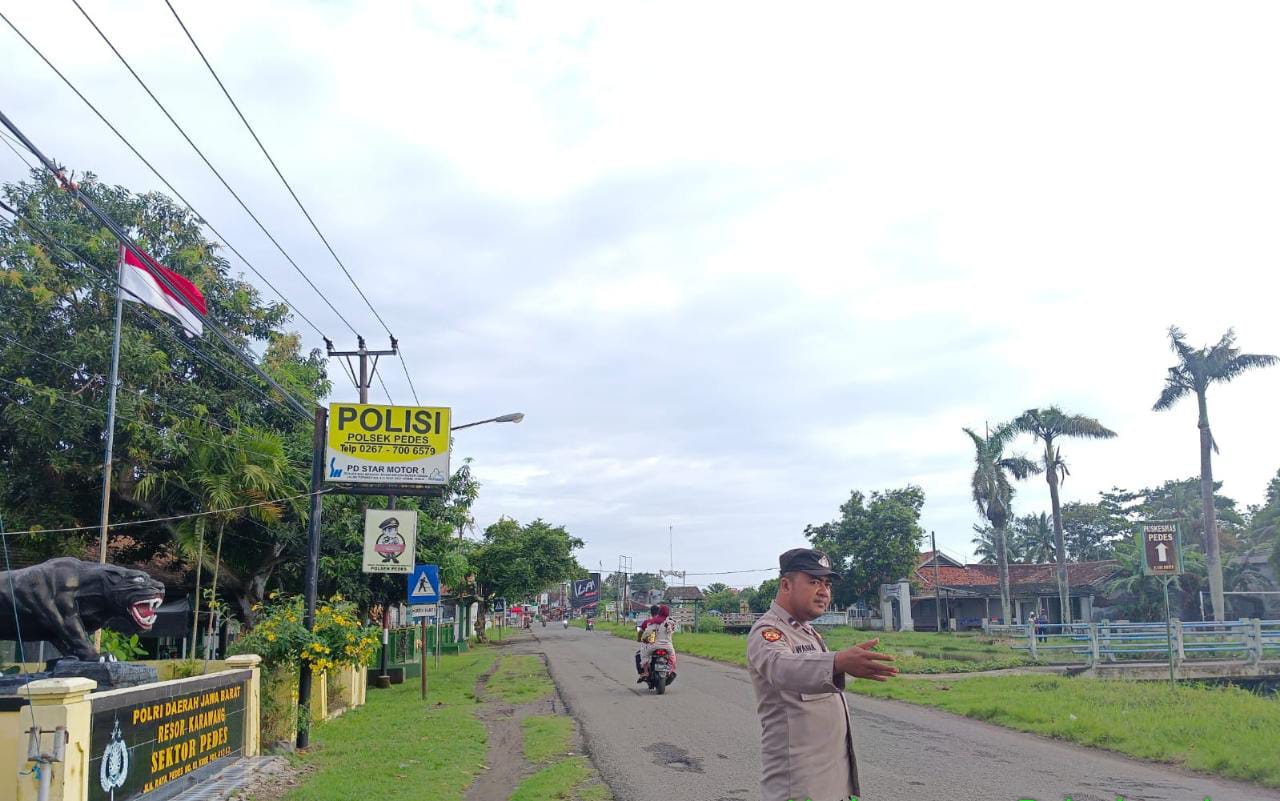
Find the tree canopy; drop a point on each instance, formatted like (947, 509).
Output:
(876, 540)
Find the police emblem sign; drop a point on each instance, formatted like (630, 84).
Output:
(389, 538)
(395, 445)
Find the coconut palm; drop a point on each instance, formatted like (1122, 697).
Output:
(1195, 371)
(986, 550)
(993, 493)
(1048, 426)
(1034, 538)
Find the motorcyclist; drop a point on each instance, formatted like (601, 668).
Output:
(656, 633)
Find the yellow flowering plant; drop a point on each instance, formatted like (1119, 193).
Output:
(337, 639)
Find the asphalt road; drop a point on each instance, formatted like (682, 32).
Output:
(700, 742)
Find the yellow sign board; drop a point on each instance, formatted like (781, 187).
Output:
(373, 444)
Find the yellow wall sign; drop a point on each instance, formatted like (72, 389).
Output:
(372, 444)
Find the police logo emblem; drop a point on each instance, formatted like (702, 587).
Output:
(825, 562)
(771, 634)
(115, 763)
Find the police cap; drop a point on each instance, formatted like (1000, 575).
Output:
(806, 560)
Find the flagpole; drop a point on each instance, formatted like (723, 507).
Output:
(111, 413)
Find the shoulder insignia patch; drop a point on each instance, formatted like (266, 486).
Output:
(771, 634)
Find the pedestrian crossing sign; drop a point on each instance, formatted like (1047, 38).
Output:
(424, 584)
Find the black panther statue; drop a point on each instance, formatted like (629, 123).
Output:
(64, 600)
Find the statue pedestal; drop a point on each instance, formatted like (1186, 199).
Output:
(108, 675)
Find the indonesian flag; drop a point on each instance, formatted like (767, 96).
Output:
(141, 280)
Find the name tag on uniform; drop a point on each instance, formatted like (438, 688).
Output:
(814, 696)
(800, 648)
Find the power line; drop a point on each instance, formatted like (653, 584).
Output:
(292, 306)
(153, 324)
(170, 517)
(152, 267)
(6, 139)
(120, 383)
(292, 194)
(162, 430)
(272, 161)
(209, 164)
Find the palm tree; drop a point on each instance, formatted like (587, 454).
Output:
(993, 493)
(986, 550)
(223, 472)
(1194, 372)
(1047, 426)
(1035, 540)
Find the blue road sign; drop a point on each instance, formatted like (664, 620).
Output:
(500, 606)
(424, 584)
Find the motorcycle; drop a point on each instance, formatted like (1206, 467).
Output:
(544, 622)
(566, 622)
(591, 624)
(659, 675)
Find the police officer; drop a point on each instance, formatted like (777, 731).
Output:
(806, 746)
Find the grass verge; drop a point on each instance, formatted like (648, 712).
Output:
(1226, 731)
(546, 736)
(437, 744)
(563, 780)
(917, 652)
(519, 680)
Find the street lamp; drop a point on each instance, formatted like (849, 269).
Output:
(514, 417)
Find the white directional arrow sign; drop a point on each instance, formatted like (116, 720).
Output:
(1160, 541)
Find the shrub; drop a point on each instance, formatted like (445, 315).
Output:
(709, 624)
(121, 647)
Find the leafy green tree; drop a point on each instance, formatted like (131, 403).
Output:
(1091, 531)
(992, 493)
(1048, 426)
(515, 561)
(645, 582)
(723, 599)
(1264, 524)
(55, 341)
(875, 541)
(1195, 371)
(1033, 535)
(714, 587)
(760, 599)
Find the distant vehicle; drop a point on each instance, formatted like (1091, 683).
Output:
(659, 674)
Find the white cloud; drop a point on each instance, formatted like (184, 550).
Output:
(734, 262)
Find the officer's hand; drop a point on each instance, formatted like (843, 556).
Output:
(863, 663)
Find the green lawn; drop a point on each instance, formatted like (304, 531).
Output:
(519, 680)
(917, 651)
(396, 744)
(1221, 730)
(563, 780)
(546, 736)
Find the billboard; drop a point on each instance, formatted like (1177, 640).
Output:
(585, 597)
(397, 445)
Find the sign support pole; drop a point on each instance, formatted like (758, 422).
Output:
(1168, 622)
(312, 570)
(423, 656)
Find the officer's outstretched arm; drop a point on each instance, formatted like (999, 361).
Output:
(808, 672)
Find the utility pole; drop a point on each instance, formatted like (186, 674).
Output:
(937, 591)
(624, 570)
(362, 381)
(671, 550)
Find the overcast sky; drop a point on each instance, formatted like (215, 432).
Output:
(732, 260)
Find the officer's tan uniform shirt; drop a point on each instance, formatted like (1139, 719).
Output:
(806, 747)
